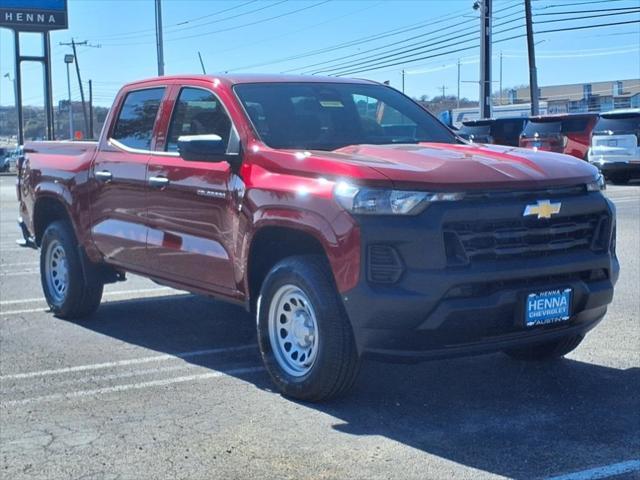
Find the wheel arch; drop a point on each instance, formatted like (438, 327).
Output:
(272, 243)
(49, 208)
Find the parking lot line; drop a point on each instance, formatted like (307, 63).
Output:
(18, 264)
(131, 386)
(132, 361)
(45, 309)
(601, 472)
(109, 294)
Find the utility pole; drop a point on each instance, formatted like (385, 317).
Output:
(73, 45)
(204, 71)
(458, 96)
(500, 77)
(90, 110)
(443, 87)
(533, 72)
(159, 42)
(67, 60)
(402, 80)
(486, 12)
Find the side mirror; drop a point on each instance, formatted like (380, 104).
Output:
(204, 148)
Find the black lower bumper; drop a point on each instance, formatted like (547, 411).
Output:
(435, 310)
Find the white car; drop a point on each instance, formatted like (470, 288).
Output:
(615, 145)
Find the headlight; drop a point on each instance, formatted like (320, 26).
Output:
(376, 201)
(597, 185)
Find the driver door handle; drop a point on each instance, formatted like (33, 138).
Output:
(158, 182)
(104, 176)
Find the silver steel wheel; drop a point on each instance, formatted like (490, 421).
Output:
(293, 330)
(56, 271)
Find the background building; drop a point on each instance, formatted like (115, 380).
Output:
(584, 97)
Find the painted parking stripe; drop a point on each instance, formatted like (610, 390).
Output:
(132, 361)
(110, 294)
(45, 309)
(601, 472)
(131, 386)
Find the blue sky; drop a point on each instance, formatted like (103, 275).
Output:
(264, 35)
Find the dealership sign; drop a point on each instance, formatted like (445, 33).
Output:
(33, 15)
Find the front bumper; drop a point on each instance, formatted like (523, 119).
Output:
(437, 310)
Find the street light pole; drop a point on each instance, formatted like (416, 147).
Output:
(486, 13)
(159, 42)
(68, 59)
(533, 72)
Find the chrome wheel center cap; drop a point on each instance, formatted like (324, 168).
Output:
(303, 328)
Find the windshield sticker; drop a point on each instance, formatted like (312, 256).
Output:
(331, 103)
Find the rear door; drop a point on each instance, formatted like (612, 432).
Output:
(191, 204)
(118, 203)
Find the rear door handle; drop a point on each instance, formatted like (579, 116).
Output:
(104, 175)
(158, 182)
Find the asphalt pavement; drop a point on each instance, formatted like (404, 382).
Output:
(164, 384)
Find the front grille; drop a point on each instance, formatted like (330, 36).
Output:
(555, 192)
(525, 237)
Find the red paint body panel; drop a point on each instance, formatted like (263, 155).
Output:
(196, 232)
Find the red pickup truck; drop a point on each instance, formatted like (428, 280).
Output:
(346, 218)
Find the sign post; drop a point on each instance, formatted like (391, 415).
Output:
(40, 16)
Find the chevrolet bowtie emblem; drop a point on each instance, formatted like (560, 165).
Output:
(543, 209)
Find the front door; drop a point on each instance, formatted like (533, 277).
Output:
(191, 209)
(118, 201)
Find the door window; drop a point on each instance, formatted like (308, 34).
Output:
(134, 127)
(198, 112)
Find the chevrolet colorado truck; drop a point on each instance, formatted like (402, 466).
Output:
(339, 212)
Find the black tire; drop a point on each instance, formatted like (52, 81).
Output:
(337, 363)
(84, 285)
(619, 179)
(546, 351)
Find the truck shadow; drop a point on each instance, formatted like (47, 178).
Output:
(491, 413)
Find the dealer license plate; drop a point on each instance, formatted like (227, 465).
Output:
(544, 308)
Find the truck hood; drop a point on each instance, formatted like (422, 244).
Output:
(447, 166)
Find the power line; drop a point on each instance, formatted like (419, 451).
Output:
(588, 26)
(600, 10)
(393, 63)
(357, 41)
(235, 27)
(136, 33)
(587, 17)
(472, 31)
(420, 50)
(576, 4)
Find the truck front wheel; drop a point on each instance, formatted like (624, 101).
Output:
(305, 337)
(546, 351)
(72, 285)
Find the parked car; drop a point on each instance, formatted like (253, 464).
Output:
(569, 134)
(299, 199)
(615, 145)
(499, 131)
(5, 159)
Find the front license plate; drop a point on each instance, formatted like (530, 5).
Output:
(544, 308)
(612, 143)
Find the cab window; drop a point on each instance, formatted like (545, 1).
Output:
(198, 112)
(134, 127)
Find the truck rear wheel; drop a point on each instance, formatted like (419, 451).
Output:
(305, 337)
(546, 351)
(71, 283)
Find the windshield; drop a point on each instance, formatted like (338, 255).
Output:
(327, 116)
(541, 128)
(618, 124)
(475, 129)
